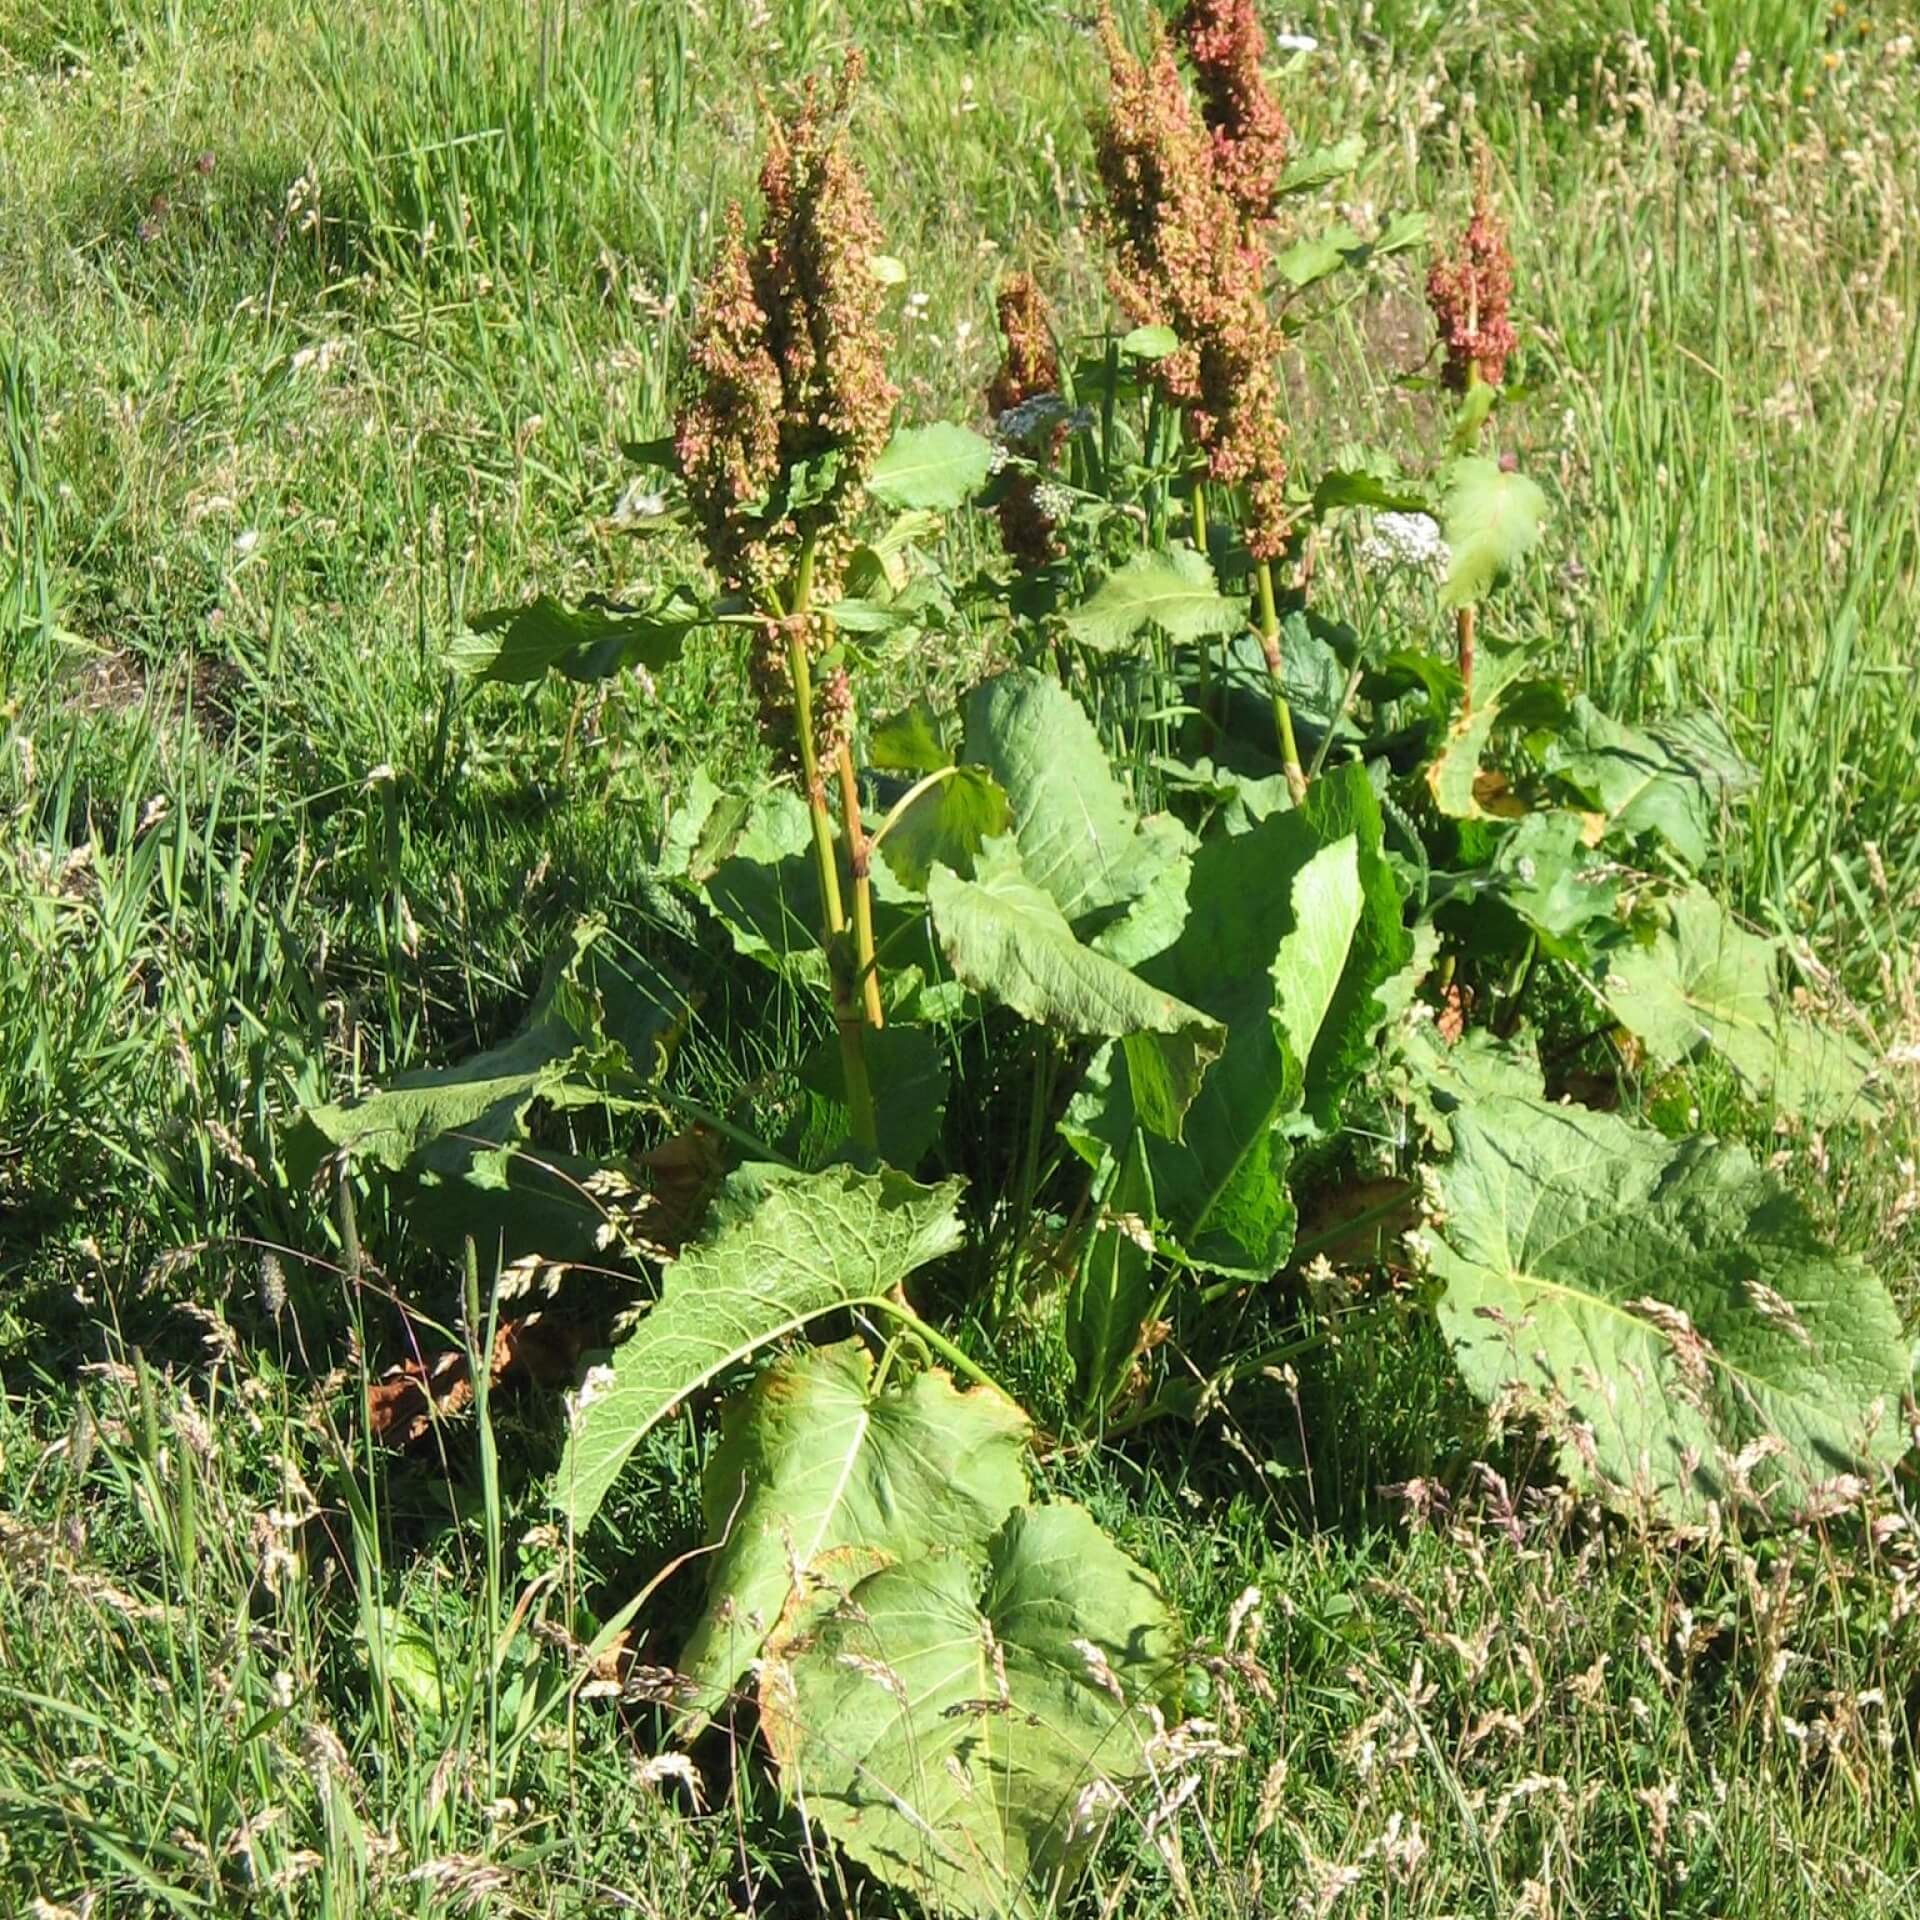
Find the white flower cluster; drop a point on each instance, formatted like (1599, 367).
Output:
(1054, 500)
(1404, 543)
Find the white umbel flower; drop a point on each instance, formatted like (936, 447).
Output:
(1404, 543)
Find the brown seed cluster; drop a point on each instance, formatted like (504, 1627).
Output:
(789, 401)
(1030, 368)
(1471, 295)
(1226, 44)
(1186, 255)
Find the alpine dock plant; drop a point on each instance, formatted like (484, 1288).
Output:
(1097, 1000)
(789, 406)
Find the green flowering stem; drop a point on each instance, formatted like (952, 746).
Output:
(1474, 408)
(860, 859)
(853, 1053)
(1282, 712)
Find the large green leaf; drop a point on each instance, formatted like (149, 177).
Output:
(1339, 804)
(1173, 590)
(1668, 1304)
(959, 1734)
(1707, 982)
(1638, 781)
(1507, 694)
(1491, 519)
(1080, 839)
(1292, 928)
(815, 1467)
(812, 1244)
(946, 818)
(1004, 937)
(593, 641)
(939, 466)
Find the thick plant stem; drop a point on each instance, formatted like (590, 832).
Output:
(1199, 506)
(1463, 626)
(826, 863)
(859, 858)
(1282, 712)
(853, 1054)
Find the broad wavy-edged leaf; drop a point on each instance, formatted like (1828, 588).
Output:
(1491, 519)
(1005, 937)
(814, 1466)
(813, 1243)
(1707, 982)
(592, 641)
(1293, 927)
(595, 1014)
(910, 741)
(1222, 1187)
(939, 466)
(1639, 782)
(957, 1731)
(1339, 804)
(945, 821)
(1173, 590)
(1669, 1304)
(1080, 838)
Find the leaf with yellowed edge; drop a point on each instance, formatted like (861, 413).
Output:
(814, 1461)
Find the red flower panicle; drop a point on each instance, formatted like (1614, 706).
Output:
(1471, 296)
(789, 368)
(1250, 135)
(1186, 256)
(727, 437)
(1030, 369)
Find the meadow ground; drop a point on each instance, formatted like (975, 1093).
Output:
(320, 330)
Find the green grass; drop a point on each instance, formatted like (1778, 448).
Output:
(271, 427)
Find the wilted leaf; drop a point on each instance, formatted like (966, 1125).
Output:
(813, 1243)
(1669, 1304)
(955, 1731)
(812, 1465)
(1114, 1287)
